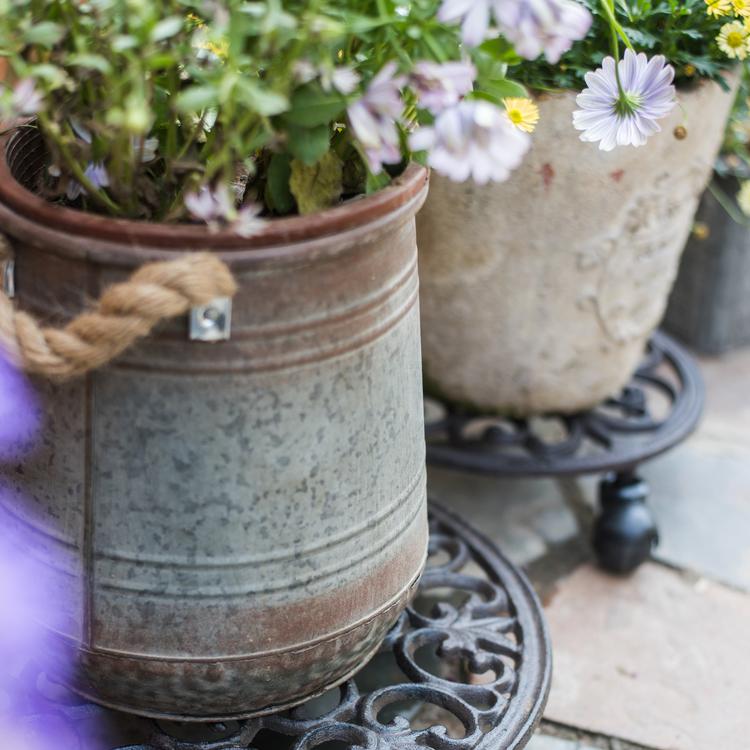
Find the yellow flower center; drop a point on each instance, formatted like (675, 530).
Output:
(516, 117)
(735, 39)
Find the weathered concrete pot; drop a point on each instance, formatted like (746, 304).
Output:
(539, 294)
(237, 524)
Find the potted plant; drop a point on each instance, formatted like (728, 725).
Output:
(539, 294)
(238, 516)
(708, 307)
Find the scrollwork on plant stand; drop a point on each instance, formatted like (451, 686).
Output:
(620, 433)
(480, 624)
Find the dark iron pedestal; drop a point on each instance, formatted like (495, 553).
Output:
(466, 666)
(659, 408)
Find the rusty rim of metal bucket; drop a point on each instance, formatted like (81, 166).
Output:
(356, 214)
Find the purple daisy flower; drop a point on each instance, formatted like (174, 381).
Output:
(209, 205)
(533, 26)
(473, 139)
(19, 411)
(473, 15)
(26, 99)
(542, 26)
(373, 118)
(625, 115)
(442, 85)
(97, 175)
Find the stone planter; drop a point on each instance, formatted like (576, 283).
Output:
(709, 307)
(237, 524)
(539, 294)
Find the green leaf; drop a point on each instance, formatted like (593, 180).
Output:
(308, 144)
(500, 88)
(166, 28)
(263, 101)
(278, 195)
(501, 50)
(50, 74)
(91, 62)
(376, 182)
(46, 33)
(318, 186)
(124, 42)
(197, 98)
(161, 62)
(311, 106)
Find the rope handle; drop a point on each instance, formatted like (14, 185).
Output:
(125, 313)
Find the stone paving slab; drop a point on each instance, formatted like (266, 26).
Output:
(525, 517)
(660, 658)
(700, 491)
(701, 502)
(727, 380)
(548, 742)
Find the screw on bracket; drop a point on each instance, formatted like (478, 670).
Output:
(211, 322)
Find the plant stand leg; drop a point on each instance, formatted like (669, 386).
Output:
(624, 532)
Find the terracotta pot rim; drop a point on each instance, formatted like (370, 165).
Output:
(180, 237)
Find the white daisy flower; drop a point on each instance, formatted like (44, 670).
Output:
(625, 114)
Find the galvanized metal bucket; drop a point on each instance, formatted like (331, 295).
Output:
(237, 524)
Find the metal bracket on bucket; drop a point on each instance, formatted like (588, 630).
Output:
(7, 271)
(211, 322)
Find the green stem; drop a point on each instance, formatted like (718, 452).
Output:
(609, 12)
(615, 27)
(391, 34)
(96, 195)
(434, 47)
(727, 204)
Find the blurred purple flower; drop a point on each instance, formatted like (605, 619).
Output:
(208, 205)
(542, 26)
(473, 15)
(627, 117)
(96, 174)
(29, 595)
(474, 139)
(26, 99)
(216, 207)
(373, 118)
(248, 221)
(304, 71)
(19, 412)
(342, 78)
(442, 85)
(532, 26)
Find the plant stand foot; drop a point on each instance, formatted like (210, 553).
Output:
(625, 532)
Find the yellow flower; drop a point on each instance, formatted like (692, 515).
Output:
(195, 20)
(220, 49)
(718, 7)
(689, 70)
(701, 230)
(743, 198)
(523, 113)
(732, 40)
(741, 7)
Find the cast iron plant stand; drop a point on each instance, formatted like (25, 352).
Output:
(659, 408)
(466, 666)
